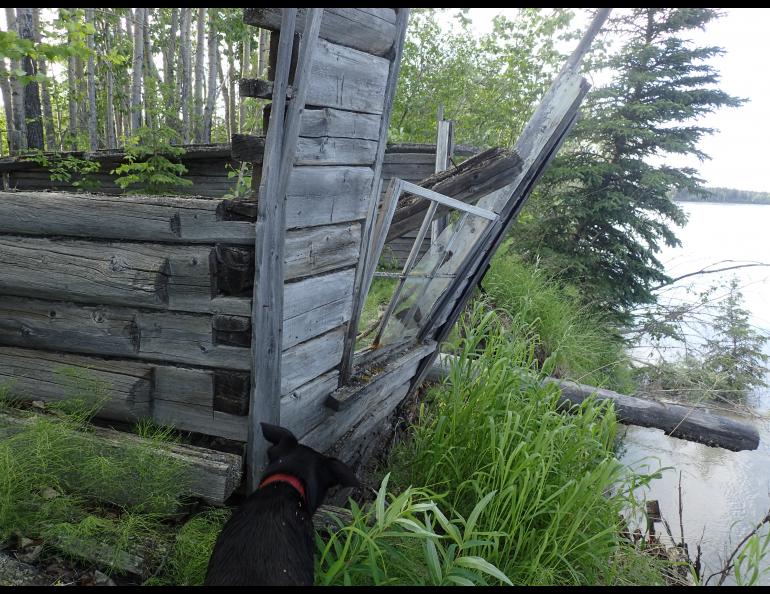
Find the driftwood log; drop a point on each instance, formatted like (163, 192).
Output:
(675, 420)
(469, 181)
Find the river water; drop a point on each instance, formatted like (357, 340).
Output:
(724, 494)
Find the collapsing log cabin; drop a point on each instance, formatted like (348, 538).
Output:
(213, 315)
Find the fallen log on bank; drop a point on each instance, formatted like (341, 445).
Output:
(675, 420)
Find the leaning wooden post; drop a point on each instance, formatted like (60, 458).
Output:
(444, 150)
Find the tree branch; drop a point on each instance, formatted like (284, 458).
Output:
(705, 271)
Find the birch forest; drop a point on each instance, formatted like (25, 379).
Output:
(85, 79)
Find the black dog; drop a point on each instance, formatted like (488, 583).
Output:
(269, 540)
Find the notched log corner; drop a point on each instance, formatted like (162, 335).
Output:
(233, 271)
(231, 392)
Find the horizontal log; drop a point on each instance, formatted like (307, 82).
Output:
(303, 408)
(137, 218)
(675, 420)
(312, 307)
(411, 147)
(259, 88)
(213, 475)
(38, 375)
(478, 176)
(370, 30)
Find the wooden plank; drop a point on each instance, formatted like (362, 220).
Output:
(359, 291)
(335, 151)
(303, 408)
(447, 201)
(373, 404)
(39, 375)
(315, 305)
(267, 302)
(213, 475)
(200, 419)
(317, 250)
(336, 123)
(309, 360)
(138, 218)
(371, 30)
(349, 79)
(344, 397)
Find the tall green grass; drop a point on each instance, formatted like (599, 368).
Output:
(531, 492)
(568, 339)
(59, 484)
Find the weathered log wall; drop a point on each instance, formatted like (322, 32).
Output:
(150, 297)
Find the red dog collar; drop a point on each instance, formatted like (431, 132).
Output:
(285, 478)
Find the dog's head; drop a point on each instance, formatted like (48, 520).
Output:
(317, 472)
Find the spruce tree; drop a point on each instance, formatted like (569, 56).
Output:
(604, 207)
(735, 351)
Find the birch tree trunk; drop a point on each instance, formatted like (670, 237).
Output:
(5, 88)
(152, 81)
(226, 98)
(42, 67)
(245, 73)
(184, 48)
(170, 84)
(232, 82)
(199, 75)
(93, 137)
(211, 86)
(137, 69)
(17, 93)
(109, 107)
(264, 53)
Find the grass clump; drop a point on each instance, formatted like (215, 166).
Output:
(492, 432)
(569, 341)
(60, 484)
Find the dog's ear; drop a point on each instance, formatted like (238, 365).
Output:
(341, 473)
(278, 435)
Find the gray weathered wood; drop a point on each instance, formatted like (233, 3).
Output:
(377, 400)
(472, 179)
(306, 361)
(116, 331)
(138, 218)
(359, 291)
(372, 30)
(344, 397)
(335, 151)
(444, 143)
(317, 250)
(316, 305)
(349, 79)
(39, 375)
(303, 408)
(267, 302)
(259, 88)
(675, 420)
(213, 475)
(147, 275)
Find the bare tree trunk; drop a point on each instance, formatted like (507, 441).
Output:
(32, 108)
(232, 83)
(152, 77)
(5, 88)
(184, 48)
(109, 107)
(245, 73)
(42, 67)
(199, 75)
(264, 52)
(226, 97)
(211, 89)
(17, 93)
(137, 68)
(93, 137)
(171, 91)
